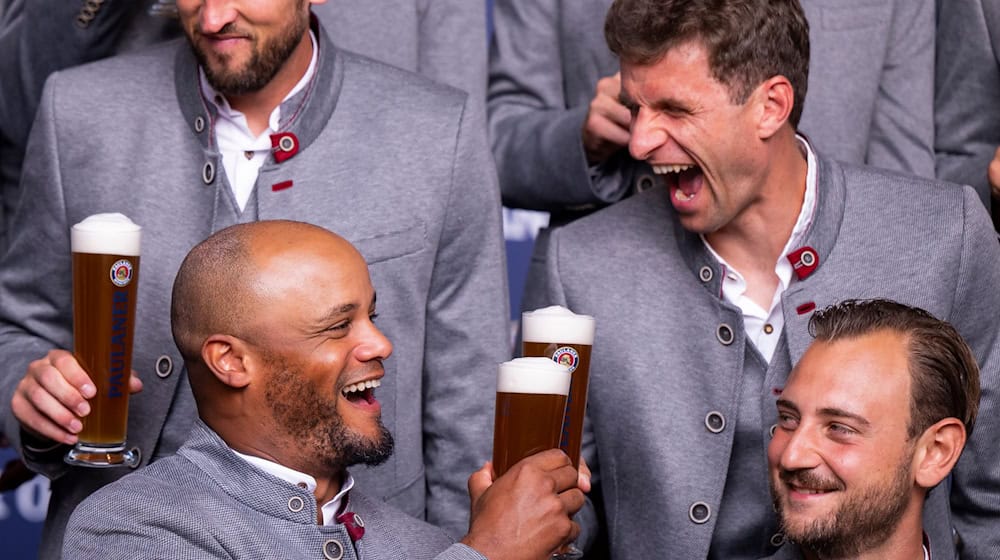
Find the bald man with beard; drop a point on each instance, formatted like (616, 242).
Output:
(275, 321)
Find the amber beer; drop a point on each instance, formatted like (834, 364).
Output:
(105, 277)
(531, 402)
(566, 338)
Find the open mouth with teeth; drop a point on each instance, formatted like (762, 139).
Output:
(683, 180)
(362, 393)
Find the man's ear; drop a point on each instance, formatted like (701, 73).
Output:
(227, 358)
(937, 451)
(776, 98)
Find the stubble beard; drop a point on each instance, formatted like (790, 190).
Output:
(264, 63)
(312, 422)
(862, 522)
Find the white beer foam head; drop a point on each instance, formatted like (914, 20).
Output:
(533, 375)
(106, 234)
(557, 324)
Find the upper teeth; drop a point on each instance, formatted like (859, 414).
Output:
(662, 169)
(370, 384)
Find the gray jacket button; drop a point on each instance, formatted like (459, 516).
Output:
(333, 550)
(199, 124)
(700, 512)
(164, 366)
(715, 422)
(706, 274)
(644, 183)
(777, 539)
(208, 173)
(295, 504)
(772, 429)
(725, 334)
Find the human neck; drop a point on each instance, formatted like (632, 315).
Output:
(257, 106)
(752, 243)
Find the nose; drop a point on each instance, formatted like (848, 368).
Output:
(647, 135)
(213, 15)
(793, 450)
(373, 345)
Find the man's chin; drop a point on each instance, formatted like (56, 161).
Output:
(368, 449)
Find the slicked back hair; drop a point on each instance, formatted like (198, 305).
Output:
(748, 41)
(943, 372)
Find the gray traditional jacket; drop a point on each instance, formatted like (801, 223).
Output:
(967, 91)
(396, 164)
(682, 406)
(206, 502)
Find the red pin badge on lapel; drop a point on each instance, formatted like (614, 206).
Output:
(804, 261)
(285, 145)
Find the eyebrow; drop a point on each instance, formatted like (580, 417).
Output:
(625, 99)
(840, 413)
(829, 411)
(785, 403)
(336, 312)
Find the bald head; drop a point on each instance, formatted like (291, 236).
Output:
(224, 281)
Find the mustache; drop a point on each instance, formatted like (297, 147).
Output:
(806, 478)
(228, 29)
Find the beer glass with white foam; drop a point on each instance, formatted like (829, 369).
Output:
(566, 338)
(105, 277)
(531, 402)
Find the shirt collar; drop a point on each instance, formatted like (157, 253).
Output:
(302, 480)
(226, 111)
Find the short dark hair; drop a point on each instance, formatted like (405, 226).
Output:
(748, 41)
(944, 373)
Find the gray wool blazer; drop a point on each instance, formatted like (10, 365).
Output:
(393, 162)
(444, 40)
(671, 359)
(870, 94)
(967, 93)
(206, 502)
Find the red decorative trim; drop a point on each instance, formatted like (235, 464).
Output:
(281, 186)
(353, 523)
(284, 145)
(804, 261)
(805, 308)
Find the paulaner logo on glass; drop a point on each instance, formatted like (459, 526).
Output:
(119, 324)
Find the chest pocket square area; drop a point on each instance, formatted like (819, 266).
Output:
(404, 239)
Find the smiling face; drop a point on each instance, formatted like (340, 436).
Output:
(318, 351)
(243, 45)
(687, 127)
(841, 461)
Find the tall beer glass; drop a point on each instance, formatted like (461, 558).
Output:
(567, 338)
(105, 276)
(531, 402)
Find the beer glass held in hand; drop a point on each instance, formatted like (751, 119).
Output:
(531, 402)
(567, 338)
(105, 277)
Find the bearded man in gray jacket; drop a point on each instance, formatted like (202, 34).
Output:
(287, 385)
(259, 115)
(702, 291)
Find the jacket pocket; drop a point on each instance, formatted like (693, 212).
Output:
(402, 240)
